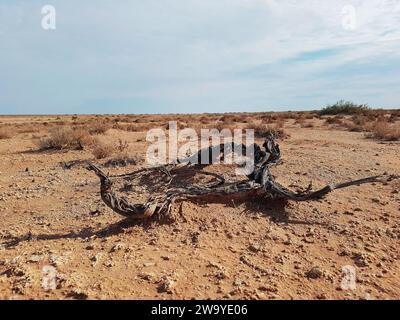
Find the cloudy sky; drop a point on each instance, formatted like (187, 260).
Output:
(170, 56)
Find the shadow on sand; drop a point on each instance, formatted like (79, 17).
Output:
(275, 209)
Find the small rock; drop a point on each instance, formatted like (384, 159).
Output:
(166, 284)
(195, 237)
(109, 263)
(77, 294)
(361, 259)
(314, 273)
(149, 276)
(56, 260)
(149, 264)
(322, 296)
(230, 235)
(96, 258)
(117, 247)
(34, 258)
(255, 247)
(268, 289)
(90, 247)
(237, 282)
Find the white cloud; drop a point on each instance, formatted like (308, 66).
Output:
(180, 54)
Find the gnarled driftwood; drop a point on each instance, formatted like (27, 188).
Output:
(259, 183)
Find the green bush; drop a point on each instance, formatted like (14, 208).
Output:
(344, 107)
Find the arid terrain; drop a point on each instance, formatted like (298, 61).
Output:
(53, 219)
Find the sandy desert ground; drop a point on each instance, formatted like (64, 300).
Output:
(52, 218)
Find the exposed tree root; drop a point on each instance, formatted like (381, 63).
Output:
(260, 183)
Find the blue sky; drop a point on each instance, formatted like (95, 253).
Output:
(187, 56)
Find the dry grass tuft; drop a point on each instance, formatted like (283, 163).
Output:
(133, 127)
(98, 128)
(265, 131)
(101, 149)
(5, 133)
(337, 120)
(307, 124)
(384, 130)
(65, 138)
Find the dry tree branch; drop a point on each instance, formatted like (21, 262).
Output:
(260, 183)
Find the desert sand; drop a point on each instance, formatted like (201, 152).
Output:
(53, 220)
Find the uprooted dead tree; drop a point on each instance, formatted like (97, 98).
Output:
(168, 179)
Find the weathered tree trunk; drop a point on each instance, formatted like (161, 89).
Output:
(259, 184)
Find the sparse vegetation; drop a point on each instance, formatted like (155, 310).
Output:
(338, 120)
(308, 124)
(384, 130)
(122, 145)
(101, 149)
(54, 202)
(5, 133)
(265, 131)
(344, 107)
(98, 128)
(65, 138)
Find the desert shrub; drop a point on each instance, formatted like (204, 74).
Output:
(5, 133)
(310, 115)
(225, 118)
(307, 124)
(180, 125)
(118, 126)
(393, 118)
(122, 145)
(344, 107)
(267, 119)
(358, 123)
(229, 125)
(359, 120)
(280, 123)
(122, 118)
(384, 130)
(136, 127)
(101, 149)
(338, 120)
(65, 138)
(230, 119)
(396, 113)
(205, 120)
(124, 127)
(98, 128)
(139, 120)
(265, 131)
(28, 128)
(300, 120)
